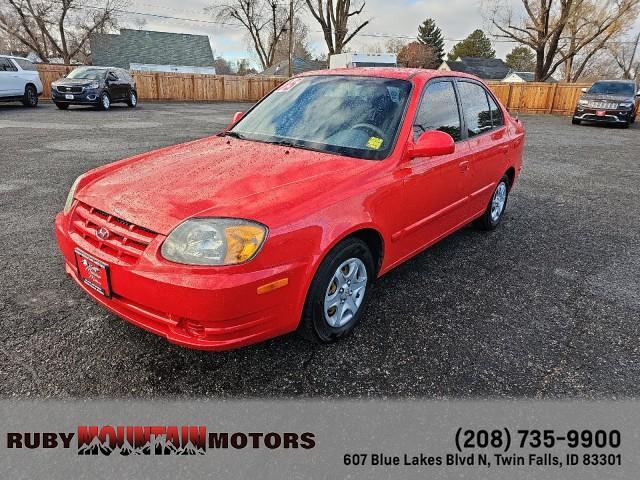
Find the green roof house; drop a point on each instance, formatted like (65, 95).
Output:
(145, 50)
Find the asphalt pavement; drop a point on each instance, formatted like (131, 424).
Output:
(547, 306)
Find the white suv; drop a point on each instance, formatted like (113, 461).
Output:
(19, 80)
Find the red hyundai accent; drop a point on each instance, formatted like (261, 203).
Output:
(283, 221)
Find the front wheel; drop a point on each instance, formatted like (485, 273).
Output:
(338, 293)
(30, 98)
(133, 99)
(576, 121)
(495, 210)
(105, 102)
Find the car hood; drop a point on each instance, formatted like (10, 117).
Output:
(75, 82)
(216, 176)
(607, 98)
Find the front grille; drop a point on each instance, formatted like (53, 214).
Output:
(62, 89)
(603, 105)
(125, 241)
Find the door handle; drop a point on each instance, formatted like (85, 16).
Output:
(464, 166)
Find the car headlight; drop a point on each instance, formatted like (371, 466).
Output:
(93, 85)
(72, 193)
(583, 102)
(626, 105)
(214, 241)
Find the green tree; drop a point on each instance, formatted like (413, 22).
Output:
(476, 44)
(429, 34)
(521, 59)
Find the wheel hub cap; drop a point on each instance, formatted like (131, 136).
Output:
(345, 292)
(498, 201)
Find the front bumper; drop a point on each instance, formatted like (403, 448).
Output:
(86, 97)
(201, 308)
(611, 116)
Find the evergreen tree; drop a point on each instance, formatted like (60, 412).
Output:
(521, 59)
(429, 34)
(475, 45)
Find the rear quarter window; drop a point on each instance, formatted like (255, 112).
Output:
(25, 64)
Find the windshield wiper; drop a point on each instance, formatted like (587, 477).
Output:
(233, 135)
(283, 143)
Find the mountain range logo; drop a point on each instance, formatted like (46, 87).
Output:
(128, 441)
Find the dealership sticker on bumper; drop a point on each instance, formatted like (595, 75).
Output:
(93, 273)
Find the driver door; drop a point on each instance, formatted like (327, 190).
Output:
(435, 189)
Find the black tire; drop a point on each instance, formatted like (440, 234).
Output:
(487, 222)
(62, 106)
(30, 98)
(130, 101)
(576, 121)
(313, 325)
(104, 105)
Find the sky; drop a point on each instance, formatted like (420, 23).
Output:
(456, 19)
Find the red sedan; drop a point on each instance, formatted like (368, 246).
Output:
(283, 221)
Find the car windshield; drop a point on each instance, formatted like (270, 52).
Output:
(613, 88)
(352, 116)
(87, 74)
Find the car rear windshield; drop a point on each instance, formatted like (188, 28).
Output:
(352, 116)
(87, 74)
(613, 88)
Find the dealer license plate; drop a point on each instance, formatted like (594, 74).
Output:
(601, 113)
(68, 96)
(93, 273)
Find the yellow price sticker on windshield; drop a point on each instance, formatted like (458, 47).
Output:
(375, 143)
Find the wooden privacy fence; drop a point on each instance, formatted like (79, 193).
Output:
(556, 98)
(538, 98)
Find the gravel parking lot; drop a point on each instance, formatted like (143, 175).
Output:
(548, 306)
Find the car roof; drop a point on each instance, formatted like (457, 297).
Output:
(15, 58)
(615, 81)
(388, 72)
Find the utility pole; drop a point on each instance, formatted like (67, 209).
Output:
(290, 38)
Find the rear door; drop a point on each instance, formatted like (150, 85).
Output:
(435, 188)
(488, 141)
(10, 83)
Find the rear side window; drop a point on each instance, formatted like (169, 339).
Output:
(7, 66)
(25, 64)
(496, 113)
(439, 111)
(477, 113)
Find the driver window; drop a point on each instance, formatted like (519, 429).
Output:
(439, 111)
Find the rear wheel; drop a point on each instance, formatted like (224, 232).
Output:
(62, 106)
(338, 293)
(495, 210)
(30, 98)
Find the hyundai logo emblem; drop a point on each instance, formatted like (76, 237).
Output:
(103, 233)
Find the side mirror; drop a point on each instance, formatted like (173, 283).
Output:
(432, 144)
(584, 90)
(638, 94)
(237, 117)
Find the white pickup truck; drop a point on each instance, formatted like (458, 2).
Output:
(19, 81)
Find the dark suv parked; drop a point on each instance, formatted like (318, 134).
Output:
(99, 86)
(612, 101)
